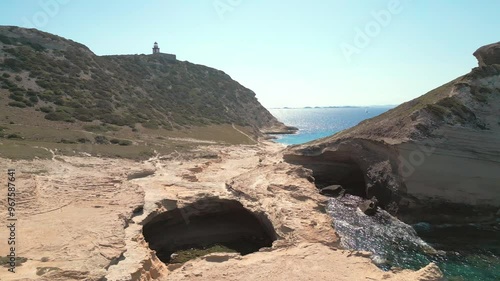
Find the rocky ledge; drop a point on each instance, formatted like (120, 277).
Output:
(489, 54)
(435, 158)
(85, 218)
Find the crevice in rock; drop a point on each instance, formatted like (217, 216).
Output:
(206, 224)
(115, 261)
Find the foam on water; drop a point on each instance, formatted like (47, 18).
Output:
(463, 252)
(392, 242)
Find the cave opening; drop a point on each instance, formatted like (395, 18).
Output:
(334, 168)
(208, 225)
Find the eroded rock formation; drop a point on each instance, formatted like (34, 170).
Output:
(427, 158)
(489, 54)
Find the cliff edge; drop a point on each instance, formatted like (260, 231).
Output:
(434, 158)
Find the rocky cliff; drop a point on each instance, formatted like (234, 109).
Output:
(434, 158)
(68, 82)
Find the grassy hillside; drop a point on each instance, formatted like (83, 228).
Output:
(67, 82)
(58, 96)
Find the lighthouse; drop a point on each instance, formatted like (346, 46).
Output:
(156, 50)
(156, 53)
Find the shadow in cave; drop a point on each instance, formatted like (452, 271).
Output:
(207, 223)
(334, 168)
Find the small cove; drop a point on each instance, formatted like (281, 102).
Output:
(469, 252)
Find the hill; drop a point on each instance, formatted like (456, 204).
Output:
(48, 81)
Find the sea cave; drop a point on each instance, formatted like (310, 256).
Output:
(334, 168)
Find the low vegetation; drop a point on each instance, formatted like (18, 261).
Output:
(46, 269)
(73, 84)
(5, 261)
(102, 128)
(189, 254)
(58, 98)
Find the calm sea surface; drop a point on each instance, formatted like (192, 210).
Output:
(315, 123)
(464, 252)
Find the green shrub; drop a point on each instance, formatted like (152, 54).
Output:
(19, 78)
(121, 142)
(59, 116)
(100, 128)
(13, 64)
(46, 109)
(4, 39)
(33, 99)
(67, 141)
(101, 140)
(31, 93)
(37, 47)
(115, 119)
(83, 140)
(5, 261)
(150, 125)
(17, 97)
(17, 104)
(59, 101)
(14, 136)
(84, 115)
(6, 75)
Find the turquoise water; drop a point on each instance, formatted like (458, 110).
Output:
(315, 123)
(469, 252)
(463, 252)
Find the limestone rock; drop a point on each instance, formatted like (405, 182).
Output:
(489, 54)
(369, 207)
(332, 190)
(140, 174)
(430, 159)
(66, 237)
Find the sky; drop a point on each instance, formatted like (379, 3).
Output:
(291, 53)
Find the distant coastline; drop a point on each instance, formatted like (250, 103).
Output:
(336, 106)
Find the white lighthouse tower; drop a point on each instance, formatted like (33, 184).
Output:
(156, 50)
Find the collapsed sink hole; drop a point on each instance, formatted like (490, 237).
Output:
(334, 168)
(206, 226)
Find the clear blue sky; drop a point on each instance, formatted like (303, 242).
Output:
(291, 53)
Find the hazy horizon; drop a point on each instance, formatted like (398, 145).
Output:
(319, 53)
(335, 106)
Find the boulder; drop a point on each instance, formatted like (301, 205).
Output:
(369, 207)
(488, 55)
(332, 191)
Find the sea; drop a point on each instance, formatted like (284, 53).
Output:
(466, 252)
(315, 123)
